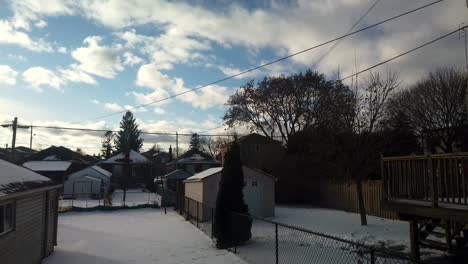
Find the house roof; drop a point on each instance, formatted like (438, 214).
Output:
(57, 153)
(196, 156)
(209, 172)
(135, 157)
(204, 174)
(15, 178)
(102, 171)
(47, 165)
(177, 174)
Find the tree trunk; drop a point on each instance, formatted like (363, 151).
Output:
(362, 209)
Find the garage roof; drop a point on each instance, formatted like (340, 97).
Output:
(206, 173)
(14, 178)
(47, 165)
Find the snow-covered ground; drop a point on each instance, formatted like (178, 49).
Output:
(296, 246)
(134, 197)
(133, 236)
(379, 231)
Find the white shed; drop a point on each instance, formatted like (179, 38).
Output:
(91, 182)
(259, 190)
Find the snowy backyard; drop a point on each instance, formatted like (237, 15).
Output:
(133, 236)
(134, 197)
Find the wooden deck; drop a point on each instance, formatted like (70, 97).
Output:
(427, 186)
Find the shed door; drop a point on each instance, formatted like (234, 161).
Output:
(252, 195)
(82, 187)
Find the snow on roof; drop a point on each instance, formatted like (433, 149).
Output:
(14, 178)
(47, 165)
(177, 174)
(134, 156)
(92, 178)
(102, 171)
(206, 173)
(51, 157)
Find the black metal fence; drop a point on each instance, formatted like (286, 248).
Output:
(274, 242)
(133, 198)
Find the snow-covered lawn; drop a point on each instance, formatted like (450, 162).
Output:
(346, 225)
(134, 197)
(299, 247)
(133, 236)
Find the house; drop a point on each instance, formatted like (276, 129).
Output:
(56, 163)
(141, 168)
(91, 182)
(258, 152)
(171, 179)
(28, 215)
(21, 154)
(194, 161)
(259, 191)
(160, 160)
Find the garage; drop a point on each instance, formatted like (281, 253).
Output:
(259, 191)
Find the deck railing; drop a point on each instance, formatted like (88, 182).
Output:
(434, 178)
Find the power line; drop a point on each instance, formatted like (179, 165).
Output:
(403, 54)
(349, 30)
(269, 63)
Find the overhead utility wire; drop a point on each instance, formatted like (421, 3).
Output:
(349, 30)
(269, 63)
(340, 80)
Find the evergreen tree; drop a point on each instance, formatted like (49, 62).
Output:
(128, 138)
(106, 147)
(232, 223)
(195, 141)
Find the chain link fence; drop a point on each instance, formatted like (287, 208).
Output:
(274, 242)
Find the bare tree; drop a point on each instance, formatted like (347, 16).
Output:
(371, 101)
(287, 104)
(214, 145)
(435, 107)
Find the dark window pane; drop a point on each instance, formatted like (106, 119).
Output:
(2, 218)
(8, 217)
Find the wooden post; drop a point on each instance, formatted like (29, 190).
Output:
(384, 179)
(30, 138)
(414, 238)
(433, 179)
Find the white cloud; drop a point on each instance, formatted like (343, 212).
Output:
(62, 50)
(7, 75)
(159, 110)
(38, 77)
(95, 101)
(10, 35)
(17, 57)
(40, 24)
(163, 86)
(98, 60)
(115, 107)
(75, 74)
(131, 59)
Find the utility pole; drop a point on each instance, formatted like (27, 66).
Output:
(13, 141)
(177, 144)
(30, 138)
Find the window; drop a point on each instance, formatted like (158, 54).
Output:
(254, 183)
(6, 218)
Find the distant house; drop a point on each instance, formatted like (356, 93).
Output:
(21, 153)
(194, 161)
(56, 163)
(141, 168)
(171, 179)
(160, 160)
(258, 152)
(28, 215)
(259, 191)
(91, 182)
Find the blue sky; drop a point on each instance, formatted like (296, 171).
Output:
(68, 61)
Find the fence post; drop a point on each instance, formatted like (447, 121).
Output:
(372, 256)
(276, 242)
(384, 178)
(433, 174)
(198, 219)
(212, 221)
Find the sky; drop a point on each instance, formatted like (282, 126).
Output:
(66, 63)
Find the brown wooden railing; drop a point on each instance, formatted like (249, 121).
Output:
(435, 178)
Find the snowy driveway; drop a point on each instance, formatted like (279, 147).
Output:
(133, 236)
